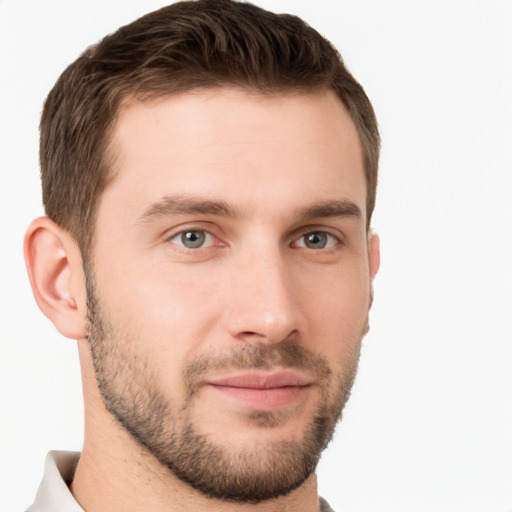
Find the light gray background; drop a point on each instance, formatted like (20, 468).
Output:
(429, 424)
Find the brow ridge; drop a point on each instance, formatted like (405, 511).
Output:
(171, 205)
(181, 205)
(335, 208)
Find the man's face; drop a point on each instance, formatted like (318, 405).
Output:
(230, 284)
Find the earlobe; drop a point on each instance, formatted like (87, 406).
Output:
(54, 267)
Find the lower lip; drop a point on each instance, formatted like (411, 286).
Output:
(263, 399)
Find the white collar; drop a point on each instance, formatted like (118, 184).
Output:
(53, 494)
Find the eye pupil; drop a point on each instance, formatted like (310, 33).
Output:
(193, 239)
(315, 240)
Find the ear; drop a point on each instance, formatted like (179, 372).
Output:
(54, 266)
(373, 253)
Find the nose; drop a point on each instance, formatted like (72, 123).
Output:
(263, 304)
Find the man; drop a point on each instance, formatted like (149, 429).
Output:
(209, 174)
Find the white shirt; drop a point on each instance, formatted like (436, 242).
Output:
(53, 494)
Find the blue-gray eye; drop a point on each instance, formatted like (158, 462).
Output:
(193, 239)
(317, 240)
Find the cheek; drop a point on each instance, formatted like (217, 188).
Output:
(165, 311)
(337, 310)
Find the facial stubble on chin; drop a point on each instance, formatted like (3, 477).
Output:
(167, 432)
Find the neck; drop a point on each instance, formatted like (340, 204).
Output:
(115, 473)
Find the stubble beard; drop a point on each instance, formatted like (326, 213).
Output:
(167, 432)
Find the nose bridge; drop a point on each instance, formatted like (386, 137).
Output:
(262, 303)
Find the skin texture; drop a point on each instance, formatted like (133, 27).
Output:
(272, 191)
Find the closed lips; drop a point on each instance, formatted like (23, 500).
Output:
(261, 380)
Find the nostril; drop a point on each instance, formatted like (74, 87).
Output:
(251, 334)
(268, 338)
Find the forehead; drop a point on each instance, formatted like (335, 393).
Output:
(238, 146)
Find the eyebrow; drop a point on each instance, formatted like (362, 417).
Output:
(180, 205)
(337, 208)
(184, 205)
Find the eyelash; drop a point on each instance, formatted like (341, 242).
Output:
(335, 240)
(332, 240)
(191, 230)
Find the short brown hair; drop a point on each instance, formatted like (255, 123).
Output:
(184, 46)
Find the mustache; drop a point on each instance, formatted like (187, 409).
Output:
(255, 356)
